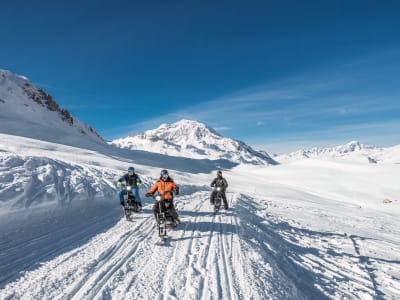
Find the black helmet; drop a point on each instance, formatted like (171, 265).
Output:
(131, 170)
(219, 173)
(164, 174)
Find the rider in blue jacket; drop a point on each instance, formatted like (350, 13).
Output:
(131, 179)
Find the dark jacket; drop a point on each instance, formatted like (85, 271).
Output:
(131, 180)
(221, 182)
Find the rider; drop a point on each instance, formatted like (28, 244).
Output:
(131, 179)
(165, 187)
(221, 182)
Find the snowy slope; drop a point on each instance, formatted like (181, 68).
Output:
(352, 151)
(312, 229)
(193, 139)
(26, 110)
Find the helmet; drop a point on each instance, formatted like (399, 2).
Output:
(131, 170)
(219, 173)
(164, 174)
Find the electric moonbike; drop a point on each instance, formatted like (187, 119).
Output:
(163, 216)
(130, 204)
(217, 198)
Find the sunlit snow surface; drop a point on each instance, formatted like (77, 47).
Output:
(306, 229)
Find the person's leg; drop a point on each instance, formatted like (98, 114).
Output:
(121, 198)
(172, 211)
(225, 201)
(137, 197)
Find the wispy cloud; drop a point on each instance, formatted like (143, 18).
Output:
(222, 128)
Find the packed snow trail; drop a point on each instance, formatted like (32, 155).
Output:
(202, 259)
(243, 253)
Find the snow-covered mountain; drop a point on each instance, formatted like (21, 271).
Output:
(28, 111)
(196, 140)
(353, 150)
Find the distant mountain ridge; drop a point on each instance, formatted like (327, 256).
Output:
(353, 149)
(196, 140)
(29, 111)
(352, 146)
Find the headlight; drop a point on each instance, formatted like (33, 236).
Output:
(218, 189)
(158, 198)
(128, 188)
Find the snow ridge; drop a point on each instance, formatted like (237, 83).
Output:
(27, 181)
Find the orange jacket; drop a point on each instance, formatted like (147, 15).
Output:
(164, 188)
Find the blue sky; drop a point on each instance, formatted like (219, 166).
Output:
(279, 75)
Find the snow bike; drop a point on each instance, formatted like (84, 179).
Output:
(217, 194)
(130, 204)
(164, 218)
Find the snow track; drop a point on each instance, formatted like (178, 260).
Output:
(243, 253)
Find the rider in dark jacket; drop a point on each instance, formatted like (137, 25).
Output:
(221, 182)
(131, 179)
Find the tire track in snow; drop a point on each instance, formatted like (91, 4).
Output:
(109, 263)
(219, 283)
(241, 276)
(364, 261)
(192, 255)
(181, 257)
(153, 267)
(227, 265)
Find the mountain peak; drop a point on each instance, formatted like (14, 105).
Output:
(193, 139)
(183, 131)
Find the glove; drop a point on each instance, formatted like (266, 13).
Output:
(148, 195)
(119, 184)
(138, 183)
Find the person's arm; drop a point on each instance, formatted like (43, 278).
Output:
(213, 182)
(120, 180)
(225, 183)
(152, 190)
(175, 188)
(138, 181)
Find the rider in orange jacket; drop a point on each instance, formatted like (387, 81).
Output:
(166, 187)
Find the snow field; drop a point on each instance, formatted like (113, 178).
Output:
(247, 252)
